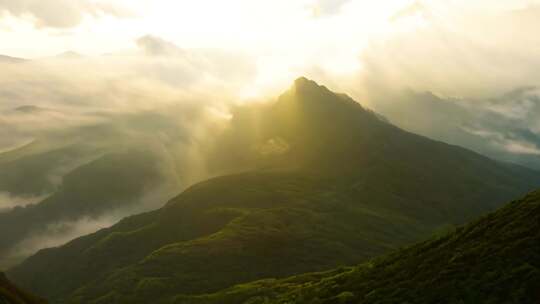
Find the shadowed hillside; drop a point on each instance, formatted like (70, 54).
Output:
(10, 294)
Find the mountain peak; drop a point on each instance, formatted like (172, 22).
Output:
(305, 85)
(311, 95)
(303, 81)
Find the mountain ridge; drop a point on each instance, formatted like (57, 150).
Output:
(333, 192)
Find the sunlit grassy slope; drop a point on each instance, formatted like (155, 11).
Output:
(329, 183)
(495, 259)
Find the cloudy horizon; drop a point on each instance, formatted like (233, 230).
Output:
(409, 60)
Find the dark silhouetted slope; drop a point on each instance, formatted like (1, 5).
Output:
(329, 183)
(11, 294)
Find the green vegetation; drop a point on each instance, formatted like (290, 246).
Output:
(495, 259)
(327, 183)
(44, 165)
(111, 181)
(72, 178)
(239, 228)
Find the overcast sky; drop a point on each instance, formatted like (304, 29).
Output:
(281, 34)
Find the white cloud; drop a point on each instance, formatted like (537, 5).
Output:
(8, 201)
(410, 10)
(156, 46)
(522, 148)
(327, 7)
(59, 13)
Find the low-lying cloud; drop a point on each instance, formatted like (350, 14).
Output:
(58, 233)
(61, 113)
(8, 201)
(463, 76)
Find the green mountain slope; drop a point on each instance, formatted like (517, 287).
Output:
(330, 183)
(112, 181)
(495, 259)
(35, 170)
(11, 294)
(74, 177)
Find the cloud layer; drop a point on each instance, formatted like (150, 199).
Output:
(60, 113)
(59, 13)
(464, 77)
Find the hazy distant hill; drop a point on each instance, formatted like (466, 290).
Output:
(91, 190)
(495, 259)
(79, 174)
(8, 59)
(36, 169)
(69, 55)
(335, 185)
(67, 171)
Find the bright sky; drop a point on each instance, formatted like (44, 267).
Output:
(260, 26)
(280, 34)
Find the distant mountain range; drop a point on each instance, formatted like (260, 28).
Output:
(321, 182)
(8, 59)
(112, 181)
(81, 174)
